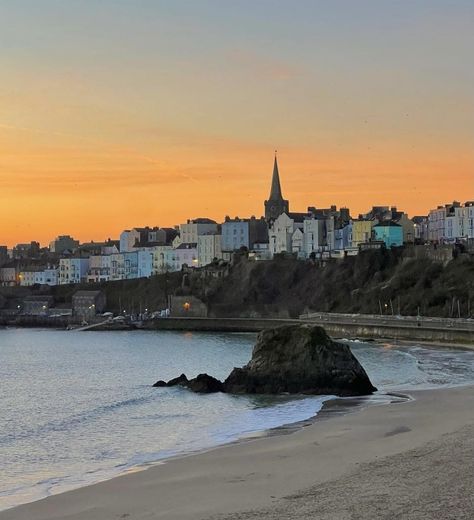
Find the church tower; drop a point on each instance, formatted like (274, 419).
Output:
(276, 204)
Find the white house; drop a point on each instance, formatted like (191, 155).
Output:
(145, 263)
(185, 254)
(190, 231)
(209, 247)
(162, 259)
(99, 268)
(281, 233)
(313, 230)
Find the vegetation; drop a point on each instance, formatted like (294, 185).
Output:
(370, 282)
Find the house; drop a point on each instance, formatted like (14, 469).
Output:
(389, 232)
(238, 233)
(209, 248)
(190, 231)
(185, 254)
(314, 239)
(420, 228)
(99, 268)
(162, 259)
(63, 243)
(8, 276)
(27, 278)
(86, 304)
(73, 270)
(37, 305)
(362, 231)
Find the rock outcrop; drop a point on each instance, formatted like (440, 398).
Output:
(201, 384)
(299, 359)
(290, 359)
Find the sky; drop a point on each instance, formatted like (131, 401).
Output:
(116, 114)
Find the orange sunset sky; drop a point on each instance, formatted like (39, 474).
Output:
(117, 114)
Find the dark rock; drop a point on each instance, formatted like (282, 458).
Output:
(295, 359)
(299, 359)
(181, 380)
(205, 384)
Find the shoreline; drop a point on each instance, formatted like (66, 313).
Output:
(257, 462)
(333, 406)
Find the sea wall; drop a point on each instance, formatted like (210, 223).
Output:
(338, 326)
(216, 324)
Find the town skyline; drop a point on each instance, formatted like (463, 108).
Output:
(85, 236)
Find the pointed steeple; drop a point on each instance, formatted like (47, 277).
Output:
(275, 192)
(276, 204)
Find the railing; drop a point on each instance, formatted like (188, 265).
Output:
(395, 320)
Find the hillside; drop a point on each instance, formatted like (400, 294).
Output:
(287, 287)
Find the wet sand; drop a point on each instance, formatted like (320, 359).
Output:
(410, 460)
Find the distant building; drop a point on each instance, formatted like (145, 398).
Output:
(390, 233)
(3, 255)
(36, 305)
(162, 259)
(190, 231)
(86, 304)
(209, 248)
(238, 233)
(186, 254)
(362, 231)
(63, 243)
(21, 251)
(8, 276)
(451, 223)
(27, 278)
(99, 268)
(420, 228)
(281, 232)
(276, 205)
(73, 270)
(313, 235)
(47, 276)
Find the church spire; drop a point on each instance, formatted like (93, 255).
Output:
(275, 192)
(276, 204)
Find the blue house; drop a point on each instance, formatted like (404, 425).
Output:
(390, 232)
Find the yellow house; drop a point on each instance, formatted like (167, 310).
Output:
(362, 231)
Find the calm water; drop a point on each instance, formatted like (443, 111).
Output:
(79, 407)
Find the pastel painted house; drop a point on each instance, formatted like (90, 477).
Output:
(390, 232)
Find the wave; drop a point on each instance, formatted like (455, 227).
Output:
(74, 420)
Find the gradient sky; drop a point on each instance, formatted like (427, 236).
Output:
(116, 113)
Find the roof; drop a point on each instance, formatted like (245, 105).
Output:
(187, 246)
(38, 298)
(86, 293)
(299, 217)
(388, 223)
(418, 219)
(202, 220)
(275, 191)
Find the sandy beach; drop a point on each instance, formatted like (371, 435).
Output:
(411, 460)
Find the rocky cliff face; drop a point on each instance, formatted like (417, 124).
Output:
(290, 359)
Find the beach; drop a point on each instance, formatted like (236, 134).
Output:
(405, 460)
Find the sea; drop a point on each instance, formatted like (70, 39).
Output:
(79, 407)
